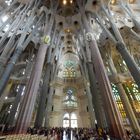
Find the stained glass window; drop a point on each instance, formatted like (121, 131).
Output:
(69, 69)
(118, 101)
(133, 94)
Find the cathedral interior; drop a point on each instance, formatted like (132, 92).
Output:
(70, 63)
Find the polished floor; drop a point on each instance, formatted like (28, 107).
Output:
(66, 138)
(35, 137)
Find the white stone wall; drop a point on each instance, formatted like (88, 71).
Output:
(56, 119)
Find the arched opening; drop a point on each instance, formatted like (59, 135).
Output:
(74, 120)
(66, 120)
(70, 120)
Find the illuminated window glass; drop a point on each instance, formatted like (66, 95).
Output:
(133, 94)
(70, 101)
(69, 71)
(122, 66)
(70, 120)
(118, 101)
(131, 1)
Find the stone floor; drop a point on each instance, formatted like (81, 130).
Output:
(33, 137)
(66, 138)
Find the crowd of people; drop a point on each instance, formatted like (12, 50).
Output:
(70, 133)
(60, 133)
(77, 134)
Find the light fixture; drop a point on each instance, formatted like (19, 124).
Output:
(4, 18)
(64, 2)
(131, 1)
(8, 2)
(71, 1)
(113, 1)
(6, 98)
(6, 28)
(68, 30)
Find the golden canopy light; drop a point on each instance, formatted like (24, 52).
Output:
(71, 1)
(65, 2)
(67, 30)
(113, 1)
(131, 1)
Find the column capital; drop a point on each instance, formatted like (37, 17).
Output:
(120, 46)
(3, 60)
(89, 36)
(89, 62)
(117, 79)
(46, 39)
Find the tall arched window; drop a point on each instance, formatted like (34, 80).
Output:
(66, 120)
(70, 120)
(73, 120)
(70, 101)
(69, 71)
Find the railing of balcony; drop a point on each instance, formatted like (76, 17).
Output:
(67, 107)
(69, 80)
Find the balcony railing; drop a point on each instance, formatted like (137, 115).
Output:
(68, 81)
(70, 107)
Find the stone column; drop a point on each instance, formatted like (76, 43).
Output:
(115, 121)
(6, 53)
(4, 115)
(27, 106)
(8, 70)
(122, 49)
(132, 99)
(90, 105)
(13, 110)
(89, 96)
(93, 92)
(128, 108)
(132, 66)
(18, 51)
(43, 96)
(137, 59)
(48, 107)
(125, 100)
(8, 8)
(25, 114)
(125, 7)
(70, 119)
(50, 97)
(5, 93)
(12, 42)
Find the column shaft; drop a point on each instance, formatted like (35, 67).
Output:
(129, 11)
(25, 113)
(95, 100)
(128, 109)
(90, 105)
(132, 66)
(5, 77)
(43, 97)
(122, 49)
(116, 125)
(89, 95)
(5, 93)
(13, 110)
(48, 108)
(125, 100)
